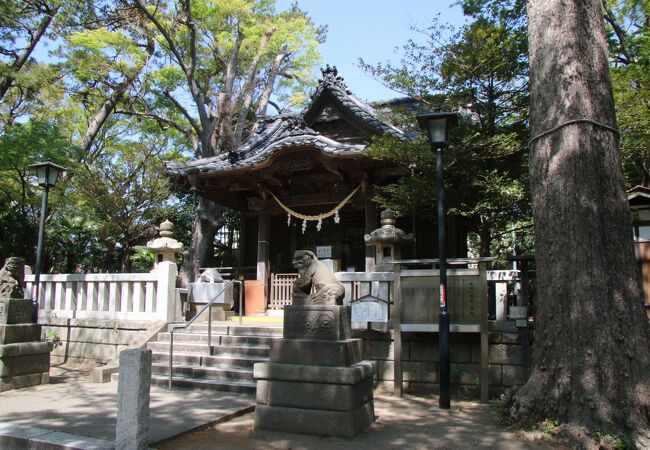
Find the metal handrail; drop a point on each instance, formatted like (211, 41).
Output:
(208, 306)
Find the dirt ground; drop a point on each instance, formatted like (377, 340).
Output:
(410, 422)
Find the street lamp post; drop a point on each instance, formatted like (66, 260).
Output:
(437, 126)
(48, 174)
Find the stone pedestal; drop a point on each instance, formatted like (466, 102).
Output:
(316, 382)
(24, 360)
(219, 312)
(200, 295)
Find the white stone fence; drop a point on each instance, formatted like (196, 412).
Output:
(124, 296)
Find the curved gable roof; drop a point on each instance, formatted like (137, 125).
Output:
(332, 86)
(285, 131)
(275, 134)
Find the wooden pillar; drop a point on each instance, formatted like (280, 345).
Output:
(371, 224)
(241, 257)
(293, 240)
(263, 244)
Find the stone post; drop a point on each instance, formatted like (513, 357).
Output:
(132, 429)
(167, 308)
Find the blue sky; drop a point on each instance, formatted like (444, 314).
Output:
(371, 29)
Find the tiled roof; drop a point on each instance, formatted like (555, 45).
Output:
(290, 131)
(277, 133)
(333, 83)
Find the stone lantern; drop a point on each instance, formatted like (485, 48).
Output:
(165, 247)
(387, 240)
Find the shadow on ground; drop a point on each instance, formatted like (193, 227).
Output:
(409, 422)
(72, 405)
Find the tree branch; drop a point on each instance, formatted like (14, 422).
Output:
(172, 45)
(268, 86)
(18, 64)
(620, 34)
(246, 94)
(186, 131)
(184, 112)
(189, 70)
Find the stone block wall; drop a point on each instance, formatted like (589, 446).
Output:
(420, 360)
(506, 357)
(95, 339)
(24, 360)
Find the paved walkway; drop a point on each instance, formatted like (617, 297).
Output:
(413, 423)
(72, 413)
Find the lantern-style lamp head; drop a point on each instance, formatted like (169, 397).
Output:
(437, 126)
(48, 173)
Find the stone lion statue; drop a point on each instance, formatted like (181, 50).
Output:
(12, 276)
(314, 275)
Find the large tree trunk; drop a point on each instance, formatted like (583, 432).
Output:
(591, 365)
(206, 224)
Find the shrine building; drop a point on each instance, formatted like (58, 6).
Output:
(302, 181)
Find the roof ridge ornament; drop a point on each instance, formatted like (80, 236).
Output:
(331, 75)
(296, 126)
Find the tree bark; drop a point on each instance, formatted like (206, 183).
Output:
(591, 364)
(206, 224)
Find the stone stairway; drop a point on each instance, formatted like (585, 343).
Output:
(227, 367)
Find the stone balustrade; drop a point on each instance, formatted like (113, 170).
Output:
(126, 296)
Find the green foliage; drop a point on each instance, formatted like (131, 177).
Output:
(53, 337)
(123, 190)
(102, 54)
(481, 71)
(20, 197)
(549, 428)
(128, 86)
(629, 44)
(619, 441)
(239, 48)
(142, 259)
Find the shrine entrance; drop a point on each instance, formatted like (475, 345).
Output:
(303, 181)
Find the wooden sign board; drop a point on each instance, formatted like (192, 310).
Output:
(369, 309)
(324, 251)
(518, 312)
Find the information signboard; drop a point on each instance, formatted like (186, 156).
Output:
(369, 309)
(324, 251)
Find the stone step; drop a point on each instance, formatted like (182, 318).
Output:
(223, 361)
(234, 349)
(201, 349)
(199, 328)
(217, 339)
(240, 387)
(237, 330)
(210, 373)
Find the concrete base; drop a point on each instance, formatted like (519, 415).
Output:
(345, 424)
(24, 361)
(14, 311)
(24, 332)
(219, 312)
(316, 352)
(24, 364)
(315, 382)
(11, 366)
(23, 381)
(321, 322)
